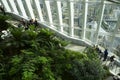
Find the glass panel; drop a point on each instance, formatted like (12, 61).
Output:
(116, 46)
(18, 9)
(90, 35)
(25, 7)
(66, 30)
(100, 40)
(77, 33)
(54, 13)
(34, 9)
(105, 40)
(65, 13)
(92, 15)
(65, 17)
(78, 14)
(110, 17)
(44, 12)
(78, 18)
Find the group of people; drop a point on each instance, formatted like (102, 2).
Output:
(26, 24)
(104, 55)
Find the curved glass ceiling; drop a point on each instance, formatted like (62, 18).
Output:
(92, 21)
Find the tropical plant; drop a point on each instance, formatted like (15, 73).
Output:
(40, 55)
(3, 24)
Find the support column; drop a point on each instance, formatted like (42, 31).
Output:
(100, 16)
(21, 8)
(59, 13)
(29, 9)
(47, 5)
(13, 6)
(71, 17)
(10, 6)
(38, 8)
(85, 12)
(5, 4)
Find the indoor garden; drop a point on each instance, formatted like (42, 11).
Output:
(38, 54)
(35, 36)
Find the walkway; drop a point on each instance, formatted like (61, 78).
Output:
(114, 70)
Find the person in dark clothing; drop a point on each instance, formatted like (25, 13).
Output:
(31, 22)
(27, 26)
(2, 9)
(35, 23)
(105, 54)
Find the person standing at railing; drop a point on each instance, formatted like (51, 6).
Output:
(105, 54)
(35, 22)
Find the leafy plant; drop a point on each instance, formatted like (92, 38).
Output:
(40, 55)
(3, 24)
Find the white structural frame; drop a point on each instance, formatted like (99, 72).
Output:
(85, 2)
(100, 16)
(5, 4)
(48, 10)
(21, 7)
(59, 12)
(29, 9)
(39, 11)
(71, 17)
(13, 6)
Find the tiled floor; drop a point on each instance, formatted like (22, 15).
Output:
(75, 47)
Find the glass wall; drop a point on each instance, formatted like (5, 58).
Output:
(78, 18)
(53, 6)
(110, 18)
(17, 6)
(44, 12)
(110, 27)
(65, 16)
(87, 24)
(93, 21)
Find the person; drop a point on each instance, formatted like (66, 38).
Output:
(105, 54)
(22, 21)
(97, 49)
(112, 60)
(31, 22)
(101, 54)
(19, 25)
(35, 23)
(2, 9)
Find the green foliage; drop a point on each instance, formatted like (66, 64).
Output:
(3, 24)
(106, 72)
(29, 76)
(39, 55)
(91, 53)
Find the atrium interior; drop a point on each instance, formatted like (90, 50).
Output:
(84, 22)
